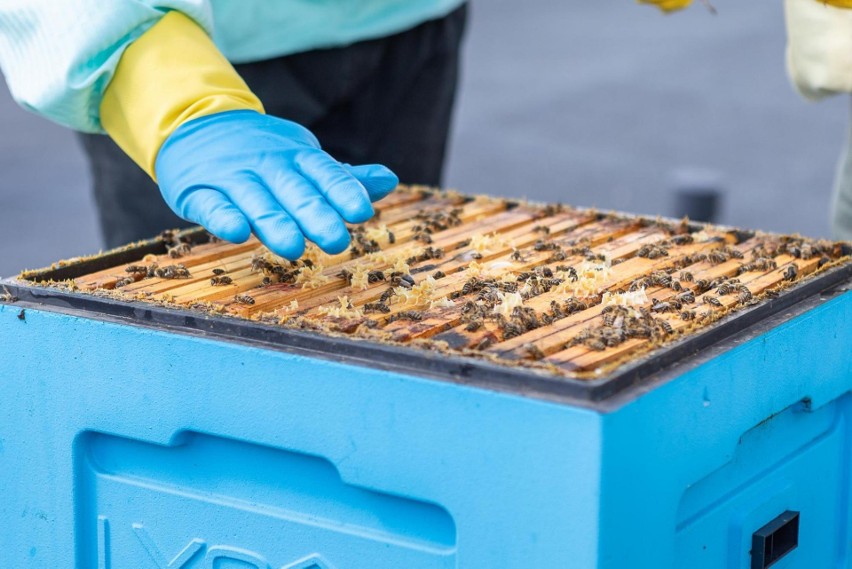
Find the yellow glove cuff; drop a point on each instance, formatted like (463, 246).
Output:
(837, 3)
(171, 74)
(672, 5)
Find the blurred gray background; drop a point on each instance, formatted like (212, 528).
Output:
(586, 102)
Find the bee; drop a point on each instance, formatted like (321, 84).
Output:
(791, 272)
(712, 301)
(596, 344)
(386, 295)
(744, 295)
(542, 229)
(137, 270)
(573, 305)
(375, 276)
(687, 315)
(391, 237)
(7, 296)
(702, 284)
(376, 307)
(218, 272)
(473, 325)
(725, 289)
(686, 276)
(179, 250)
(484, 343)
(438, 275)
(685, 239)
(718, 256)
(476, 256)
(516, 255)
(415, 315)
(662, 307)
(173, 272)
(765, 264)
(667, 328)
(124, 282)
(221, 281)
(511, 330)
(541, 245)
(652, 252)
(660, 278)
(266, 281)
(308, 263)
(639, 331)
(244, 299)
(470, 286)
(687, 297)
(22, 315)
(808, 252)
(533, 351)
(642, 282)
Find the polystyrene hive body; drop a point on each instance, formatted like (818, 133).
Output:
(141, 436)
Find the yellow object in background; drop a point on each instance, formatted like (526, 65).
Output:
(670, 5)
(837, 3)
(172, 74)
(819, 47)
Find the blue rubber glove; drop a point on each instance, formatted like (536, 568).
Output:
(239, 172)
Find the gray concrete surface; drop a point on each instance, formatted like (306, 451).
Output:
(591, 103)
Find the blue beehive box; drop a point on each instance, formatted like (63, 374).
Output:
(137, 437)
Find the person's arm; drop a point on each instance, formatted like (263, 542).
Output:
(176, 106)
(58, 57)
(819, 46)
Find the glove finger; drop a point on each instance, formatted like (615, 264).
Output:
(215, 212)
(273, 226)
(378, 180)
(318, 220)
(340, 188)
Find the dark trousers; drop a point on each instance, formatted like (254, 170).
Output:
(386, 101)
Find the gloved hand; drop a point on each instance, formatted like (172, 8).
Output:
(240, 171)
(670, 5)
(819, 47)
(181, 111)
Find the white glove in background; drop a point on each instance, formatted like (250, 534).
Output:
(819, 48)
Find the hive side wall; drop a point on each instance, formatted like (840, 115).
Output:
(692, 469)
(124, 446)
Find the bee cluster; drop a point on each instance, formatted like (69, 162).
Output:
(622, 323)
(362, 244)
(430, 222)
(281, 273)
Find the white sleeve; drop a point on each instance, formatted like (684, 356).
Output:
(819, 48)
(58, 56)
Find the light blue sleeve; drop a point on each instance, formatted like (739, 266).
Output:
(58, 56)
